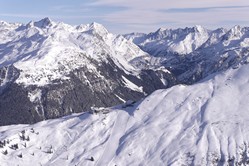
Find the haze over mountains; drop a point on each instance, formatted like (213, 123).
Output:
(51, 69)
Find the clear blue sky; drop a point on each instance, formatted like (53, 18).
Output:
(122, 16)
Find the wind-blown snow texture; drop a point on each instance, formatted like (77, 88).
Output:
(202, 124)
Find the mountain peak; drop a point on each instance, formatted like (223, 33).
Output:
(235, 32)
(160, 33)
(236, 29)
(3, 23)
(161, 29)
(98, 28)
(43, 23)
(95, 24)
(199, 28)
(7, 24)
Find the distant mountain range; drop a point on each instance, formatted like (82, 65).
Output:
(193, 53)
(50, 69)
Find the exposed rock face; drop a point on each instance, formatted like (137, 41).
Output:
(7, 76)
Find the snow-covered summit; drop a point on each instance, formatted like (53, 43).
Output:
(194, 53)
(164, 41)
(49, 69)
(45, 46)
(55, 69)
(98, 27)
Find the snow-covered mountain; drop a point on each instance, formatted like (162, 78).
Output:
(45, 47)
(49, 69)
(201, 124)
(168, 41)
(194, 53)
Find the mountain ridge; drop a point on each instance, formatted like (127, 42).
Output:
(53, 62)
(199, 115)
(217, 50)
(181, 125)
(57, 61)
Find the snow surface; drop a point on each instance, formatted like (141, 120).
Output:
(195, 40)
(131, 85)
(180, 41)
(45, 50)
(202, 124)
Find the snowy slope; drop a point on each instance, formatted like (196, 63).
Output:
(165, 41)
(47, 50)
(192, 54)
(52, 69)
(202, 124)
(192, 41)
